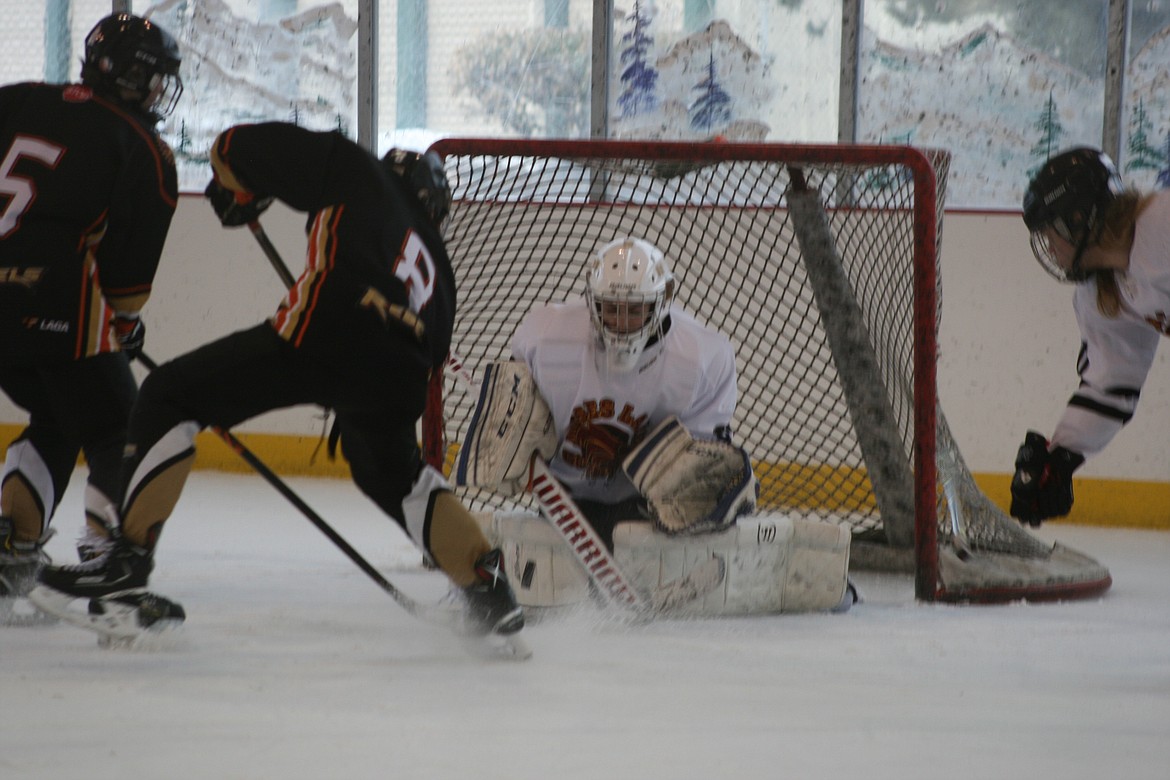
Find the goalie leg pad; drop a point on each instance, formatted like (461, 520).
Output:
(773, 564)
(542, 569)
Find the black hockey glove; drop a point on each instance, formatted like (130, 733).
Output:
(1042, 484)
(426, 177)
(131, 334)
(235, 208)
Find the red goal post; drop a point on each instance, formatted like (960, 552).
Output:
(821, 264)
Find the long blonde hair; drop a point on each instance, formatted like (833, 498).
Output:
(1116, 232)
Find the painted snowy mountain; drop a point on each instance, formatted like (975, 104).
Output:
(983, 98)
(302, 69)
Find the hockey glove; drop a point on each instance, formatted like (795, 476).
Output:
(235, 208)
(130, 332)
(426, 177)
(692, 486)
(1042, 484)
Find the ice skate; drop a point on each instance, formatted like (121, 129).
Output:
(492, 618)
(19, 564)
(124, 567)
(119, 608)
(491, 604)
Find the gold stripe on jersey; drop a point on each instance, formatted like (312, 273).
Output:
(296, 311)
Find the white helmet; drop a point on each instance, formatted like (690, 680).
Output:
(628, 288)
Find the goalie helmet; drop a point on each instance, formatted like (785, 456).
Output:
(1066, 203)
(629, 287)
(134, 62)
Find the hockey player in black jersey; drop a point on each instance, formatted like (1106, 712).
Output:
(87, 192)
(359, 332)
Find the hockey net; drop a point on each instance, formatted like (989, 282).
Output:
(820, 263)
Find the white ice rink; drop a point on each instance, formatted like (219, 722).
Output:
(293, 664)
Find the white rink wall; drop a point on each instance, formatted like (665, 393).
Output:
(1008, 340)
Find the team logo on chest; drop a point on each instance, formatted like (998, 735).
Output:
(600, 436)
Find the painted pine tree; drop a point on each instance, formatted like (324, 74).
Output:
(1051, 131)
(1142, 155)
(712, 108)
(1163, 180)
(639, 78)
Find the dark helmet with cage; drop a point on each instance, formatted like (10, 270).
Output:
(425, 176)
(133, 61)
(1067, 200)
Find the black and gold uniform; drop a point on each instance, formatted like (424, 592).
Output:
(87, 192)
(359, 332)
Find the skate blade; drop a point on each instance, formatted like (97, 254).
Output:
(19, 612)
(118, 626)
(497, 647)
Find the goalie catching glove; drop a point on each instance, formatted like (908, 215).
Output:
(691, 485)
(1042, 484)
(512, 422)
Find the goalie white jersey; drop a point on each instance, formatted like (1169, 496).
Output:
(600, 414)
(1117, 352)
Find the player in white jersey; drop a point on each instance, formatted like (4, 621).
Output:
(616, 363)
(1114, 244)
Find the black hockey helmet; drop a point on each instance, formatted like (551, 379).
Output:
(1069, 195)
(135, 62)
(425, 177)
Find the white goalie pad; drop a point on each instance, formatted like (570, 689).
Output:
(691, 485)
(772, 564)
(511, 423)
(541, 568)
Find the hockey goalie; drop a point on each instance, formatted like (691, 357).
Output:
(615, 412)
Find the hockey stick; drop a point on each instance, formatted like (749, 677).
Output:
(437, 615)
(270, 252)
(446, 617)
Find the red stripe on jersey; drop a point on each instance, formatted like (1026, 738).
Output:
(327, 246)
(293, 318)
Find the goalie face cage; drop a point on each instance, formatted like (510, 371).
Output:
(820, 263)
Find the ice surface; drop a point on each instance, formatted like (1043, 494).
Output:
(293, 664)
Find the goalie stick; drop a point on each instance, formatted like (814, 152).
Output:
(563, 513)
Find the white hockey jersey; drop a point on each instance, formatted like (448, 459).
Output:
(600, 414)
(1117, 352)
